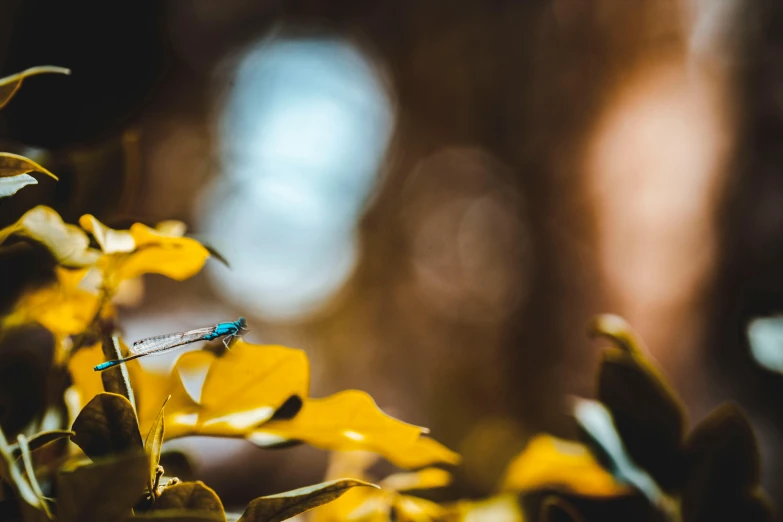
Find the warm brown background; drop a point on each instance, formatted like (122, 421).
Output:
(631, 151)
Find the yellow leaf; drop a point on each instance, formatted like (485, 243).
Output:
(111, 241)
(68, 243)
(414, 509)
(14, 164)
(424, 479)
(425, 451)
(346, 421)
(172, 256)
(501, 508)
(11, 84)
(548, 462)
(61, 307)
(239, 390)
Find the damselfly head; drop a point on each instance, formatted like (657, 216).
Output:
(242, 323)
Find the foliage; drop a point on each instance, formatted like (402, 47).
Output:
(637, 459)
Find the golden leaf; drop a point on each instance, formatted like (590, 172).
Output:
(68, 243)
(14, 165)
(548, 462)
(61, 307)
(111, 241)
(423, 479)
(346, 421)
(500, 508)
(11, 84)
(234, 393)
(156, 253)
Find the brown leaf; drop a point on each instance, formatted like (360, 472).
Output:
(107, 426)
(275, 508)
(190, 496)
(723, 466)
(556, 509)
(102, 491)
(647, 413)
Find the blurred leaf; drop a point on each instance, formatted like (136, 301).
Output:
(106, 426)
(40, 440)
(103, 491)
(648, 415)
(217, 255)
(153, 445)
(724, 469)
(617, 330)
(111, 241)
(556, 509)
(178, 516)
(414, 509)
(61, 307)
(423, 479)
(190, 496)
(347, 421)
(596, 421)
(283, 506)
(11, 185)
(11, 474)
(15, 165)
(548, 462)
(501, 508)
(176, 257)
(33, 480)
(10, 84)
(68, 243)
(144, 250)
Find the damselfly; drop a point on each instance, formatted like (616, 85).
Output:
(163, 343)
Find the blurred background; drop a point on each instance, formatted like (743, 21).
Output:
(431, 198)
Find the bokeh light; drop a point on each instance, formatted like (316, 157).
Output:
(303, 131)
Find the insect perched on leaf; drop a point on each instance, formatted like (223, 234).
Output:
(163, 343)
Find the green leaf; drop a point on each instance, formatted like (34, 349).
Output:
(39, 440)
(283, 506)
(153, 445)
(103, 491)
(190, 496)
(648, 415)
(724, 466)
(14, 165)
(107, 426)
(555, 509)
(10, 84)
(13, 184)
